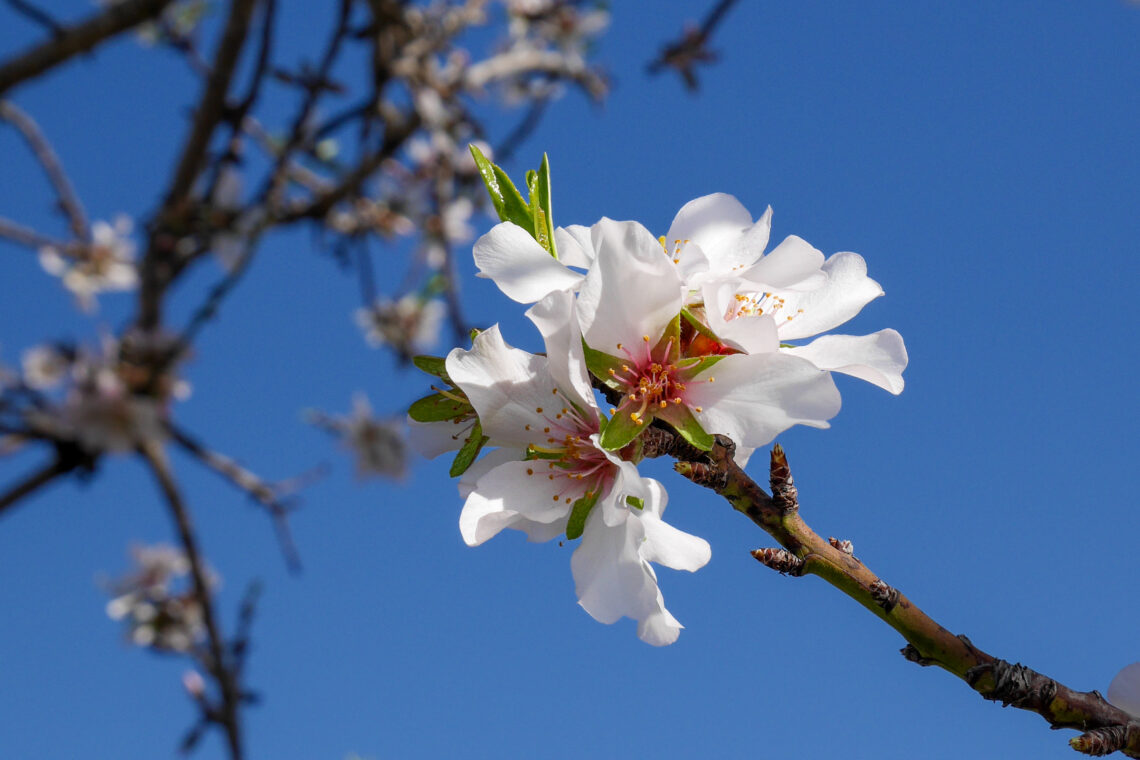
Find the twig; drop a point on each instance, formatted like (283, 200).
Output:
(41, 148)
(1107, 728)
(34, 14)
(219, 666)
(34, 482)
(27, 236)
(84, 36)
(692, 48)
(261, 492)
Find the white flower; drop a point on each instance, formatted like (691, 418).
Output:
(630, 297)
(44, 367)
(378, 445)
(524, 270)
(1124, 691)
(104, 264)
(409, 325)
(543, 409)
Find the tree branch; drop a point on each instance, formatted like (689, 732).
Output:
(219, 662)
(34, 482)
(84, 36)
(1107, 728)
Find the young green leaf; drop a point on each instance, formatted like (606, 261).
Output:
(600, 363)
(621, 429)
(578, 514)
(508, 202)
(540, 207)
(437, 407)
(466, 455)
(433, 365)
(683, 421)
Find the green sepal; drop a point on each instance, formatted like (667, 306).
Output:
(508, 202)
(695, 365)
(683, 421)
(621, 430)
(538, 184)
(438, 407)
(699, 325)
(672, 333)
(635, 502)
(578, 514)
(471, 448)
(600, 363)
(433, 365)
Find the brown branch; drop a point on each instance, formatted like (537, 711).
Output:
(260, 491)
(157, 269)
(84, 36)
(41, 148)
(219, 663)
(34, 482)
(27, 236)
(1107, 728)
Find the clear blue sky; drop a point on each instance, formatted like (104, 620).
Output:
(981, 156)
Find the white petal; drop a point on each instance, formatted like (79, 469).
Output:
(1124, 691)
(485, 464)
(847, 291)
(756, 397)
(556, 319)
(574, 246)
(723, 230)
(878, 358)
(431, 439)
(507, 387)
(754, 334)
(632, 290)
(794, 263)
(509, 490)
(522, 268)
(665, 544)
(659, 628)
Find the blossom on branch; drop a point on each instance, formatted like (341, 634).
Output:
(105, 263)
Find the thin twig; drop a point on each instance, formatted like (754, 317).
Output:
(37, 16)
(220, 666)
(73, 40)
(261, 492)
(34, 482)
(1106, 726)
(41, 148)
(27, 236)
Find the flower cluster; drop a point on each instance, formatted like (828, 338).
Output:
(112, 399)
(104, 263)
(155, 603)
(698, 330)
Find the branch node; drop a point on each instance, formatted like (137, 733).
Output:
(784, 494)
(1101, 741)
(885, 596)
(1013, 684)
(842, 545)
(703, 474)
(911, 653)
(780, 560)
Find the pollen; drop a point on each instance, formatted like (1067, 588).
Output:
(645, 338)
(539, 408)
(529, 471)
(546, 430)
(697, 409)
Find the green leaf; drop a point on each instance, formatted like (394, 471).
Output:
(471, 447)
(600, 363)
(683, 421)
(433, 365)
(635, 502)
(622, 429)
(508, 202)
(540, 207)
(438, 407)
(578, 514)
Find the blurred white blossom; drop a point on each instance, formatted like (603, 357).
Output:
(105, 264)
(410, 324)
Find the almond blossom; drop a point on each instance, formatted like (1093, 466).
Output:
(1124, 691)
(106, 263)
(550, 475)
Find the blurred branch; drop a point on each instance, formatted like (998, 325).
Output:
(26, 236)
(1107, 728)
(263, 493)
(84, 36)
(34, 482)
(692, 48)
(41, 148)
(219, 669)
(36, 16)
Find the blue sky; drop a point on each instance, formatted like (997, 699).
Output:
(981, 156)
